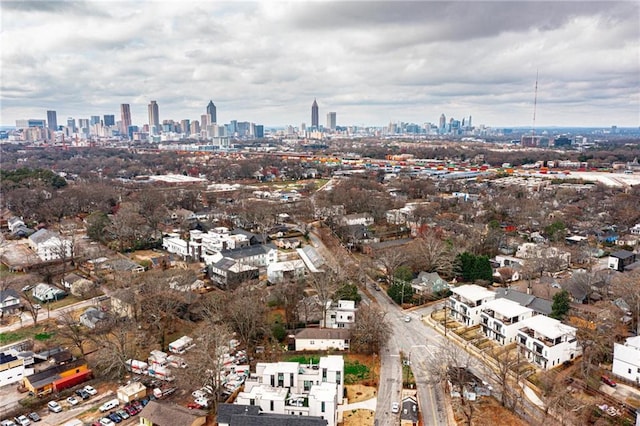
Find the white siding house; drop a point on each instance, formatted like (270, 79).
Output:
(547, 342)
(49, 245)
(502, 318)
(322, 339)
(467, 302)
(340, 315)
(626, 359)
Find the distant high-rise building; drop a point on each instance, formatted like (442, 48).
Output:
(195, 127)
(259, 131)
(71, 124)
(204, 120)
(125, 118)
(331, 120)
(109, 120)
(211, 112)
(154, 117)
(52, 120)
(443, 123)
(185, 127)
(315, 114)
(95, 119)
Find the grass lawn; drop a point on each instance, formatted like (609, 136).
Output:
(355, 372)
(357, 368)
(39, 332)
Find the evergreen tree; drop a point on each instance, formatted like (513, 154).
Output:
(561, 305)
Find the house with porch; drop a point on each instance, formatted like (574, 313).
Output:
(466, 303)
(546, 342)
(501, 319)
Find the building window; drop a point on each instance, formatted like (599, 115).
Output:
(324, 374)
(322, 408)
(252, 402)
(338, 377)
(271, 405)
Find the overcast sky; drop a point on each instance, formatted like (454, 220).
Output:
(371, 62)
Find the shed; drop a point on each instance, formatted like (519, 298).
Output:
(134, 390)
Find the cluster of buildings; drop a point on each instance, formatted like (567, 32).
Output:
(277, 391)
(99, 127)
(509, 317)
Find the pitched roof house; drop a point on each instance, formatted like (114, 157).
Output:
(159, 414)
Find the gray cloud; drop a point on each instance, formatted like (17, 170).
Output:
(372, 62)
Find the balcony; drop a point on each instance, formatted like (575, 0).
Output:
(540, 338)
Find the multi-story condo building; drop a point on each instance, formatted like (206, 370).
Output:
(501, 319)
(547, 342)
(297, 389)
(466, 303)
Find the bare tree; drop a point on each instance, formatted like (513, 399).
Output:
(117, 345)
(391, 260)
(325, 284)
(450, 365)
(245, 313)
(430, 253)
(506, 373)
(70, 329)
(371, 330)
(206, 361)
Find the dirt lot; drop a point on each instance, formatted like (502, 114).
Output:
(358, 418)
(357, 393)
(488, 412)
(372, 362)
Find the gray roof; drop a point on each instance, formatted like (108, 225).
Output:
(162, 414)
(620, 254)
(541, 306)
(408, 404)
(248, 251)
(247, 418)
(42, 235)
(324, 333)
(226, 411)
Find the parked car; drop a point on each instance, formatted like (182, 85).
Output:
(106, 421)
(123, 413)
(72, 400)
(34, 417)
(407, 319)
(90, 390)
(129, 408)
(395, 408)
(194, 405)
(7, 423)
(608, 381)
(22, 420)
(115, 417)
(54, 407)
(83, 394)
(198, 394)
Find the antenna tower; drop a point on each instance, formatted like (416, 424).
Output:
(535, 103)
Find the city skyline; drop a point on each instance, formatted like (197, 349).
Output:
(423, 59)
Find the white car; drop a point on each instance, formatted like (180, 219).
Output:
(22, 420)
(54, 406)
(90, 390)
(407, 319)
(106, 421)
(198, 394)
(203, 402)
(72, 400)
(395, 408)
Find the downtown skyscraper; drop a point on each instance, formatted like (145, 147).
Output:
(125, 118)
(154, 118)
(212, 113)
(315, 114)
(52, 120)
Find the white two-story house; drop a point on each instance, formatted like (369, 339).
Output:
(340, 315)
(626, 359)
(502, 318)
(296, 389)
(49, 245)
(466, 303)
(547, 342)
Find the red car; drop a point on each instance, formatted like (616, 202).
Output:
(193, 405)
(608, 381)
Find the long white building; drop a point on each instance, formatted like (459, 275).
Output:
(547, 342)
(626, 359)
(502, 318)
(467, 301)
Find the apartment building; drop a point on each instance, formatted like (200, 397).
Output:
(547, 342)
(297, 389)
(626, 359)
(341, 314)
(502, 318)
(467, 301)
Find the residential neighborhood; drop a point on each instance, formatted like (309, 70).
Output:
(415, 288)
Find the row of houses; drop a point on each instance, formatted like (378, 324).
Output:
(509, 317)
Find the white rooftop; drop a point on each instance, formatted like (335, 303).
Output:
(265, 392)
(506, 308)
(472, 292)
(280, 367)
(548, 327)
(633, 342)
(323, 392)
(332, 362)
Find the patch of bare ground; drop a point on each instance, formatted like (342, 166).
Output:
(358, 393)
(358, 418)
(487, 412)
